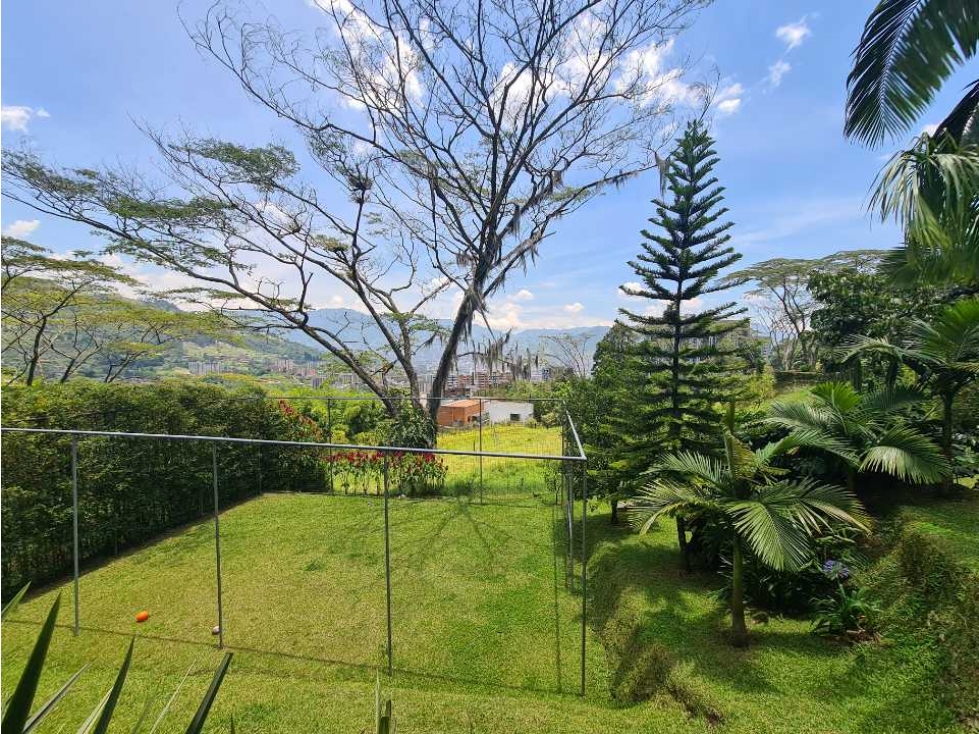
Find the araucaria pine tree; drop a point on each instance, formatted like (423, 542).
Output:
(685, 353)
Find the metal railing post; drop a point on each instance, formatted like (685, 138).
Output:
(481, 497)
(387, 565)
(217, 543)
(584, 569)
(74, 524)
(329, 439)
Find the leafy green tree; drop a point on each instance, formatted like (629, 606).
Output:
(484, 125)
(860, 300)
(684, 367)
(751, 500)
(944, 352)
(41, 293)
(785, 303)
(599, 406)
(863, 432)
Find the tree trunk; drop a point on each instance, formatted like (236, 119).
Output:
(856, 375)
(739, 630)
(851, 479)
(615, 510)
(947, 401)
(681, 537)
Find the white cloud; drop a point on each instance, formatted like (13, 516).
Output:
(729, 106)
(657, 307)
(574, 307)
(777, 72)
(22, 227)
(18, 117)
(728, 99)
(930, 129)
(523, 295)
(644, 72)
(793, 34)
(788, 218)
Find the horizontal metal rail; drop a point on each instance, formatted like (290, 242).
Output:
(302, 444)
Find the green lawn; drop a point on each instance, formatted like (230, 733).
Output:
(486, 637)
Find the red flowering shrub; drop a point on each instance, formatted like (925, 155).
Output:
(407, 471)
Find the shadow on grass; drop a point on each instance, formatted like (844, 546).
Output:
(661, 631)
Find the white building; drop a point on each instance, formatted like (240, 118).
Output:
(508, 411)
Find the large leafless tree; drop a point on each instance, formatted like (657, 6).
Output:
(445, 140)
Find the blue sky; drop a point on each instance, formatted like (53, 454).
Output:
(77, 75)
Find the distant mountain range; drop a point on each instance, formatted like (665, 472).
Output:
(361, 329)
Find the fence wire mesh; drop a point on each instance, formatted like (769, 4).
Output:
(421, 556)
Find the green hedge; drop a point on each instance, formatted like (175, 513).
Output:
(132, 490)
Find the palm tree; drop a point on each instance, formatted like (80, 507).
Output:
(863, 432)
(932, 191)
(944, 353)
(908, 49)
(748, 496)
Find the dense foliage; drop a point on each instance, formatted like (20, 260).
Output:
(122, 500)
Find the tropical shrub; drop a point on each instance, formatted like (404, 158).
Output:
(850, 614)
(411, 427)
(863, 432)
(750, 499)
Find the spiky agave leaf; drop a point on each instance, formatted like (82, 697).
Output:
(44, 711)
(18, 709)
(197, 723)
(15, 602)
(108, 706)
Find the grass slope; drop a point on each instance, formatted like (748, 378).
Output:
(482, 615)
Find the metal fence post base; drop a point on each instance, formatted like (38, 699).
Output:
(217, 544)
(74, 525)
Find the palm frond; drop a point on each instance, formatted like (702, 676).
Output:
(906, 454)
(953, 336)
(690, 464)
(801, 416)
(842, 397)
(884, 402)
(815, 439)
(962, 123)
(829, 502)
(768, 527)
(907, 50)
(665, 497)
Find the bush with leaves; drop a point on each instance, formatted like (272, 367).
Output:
(848, 614)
